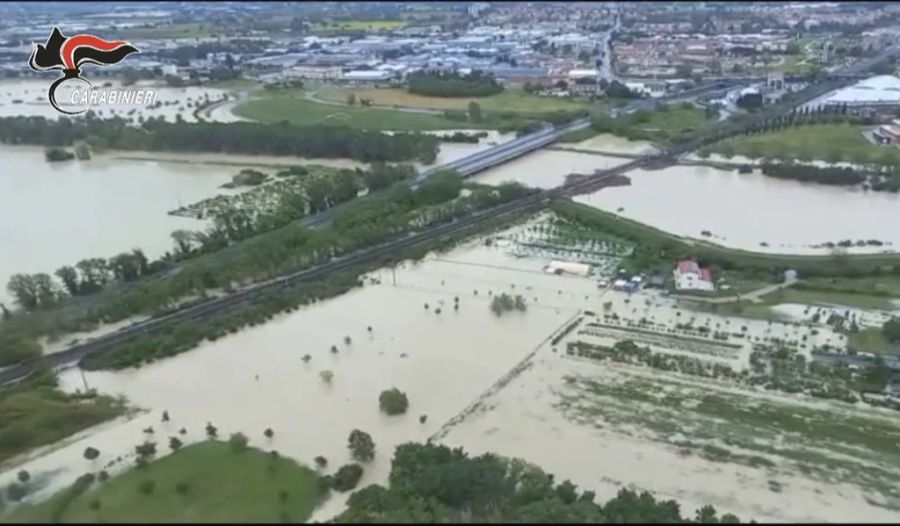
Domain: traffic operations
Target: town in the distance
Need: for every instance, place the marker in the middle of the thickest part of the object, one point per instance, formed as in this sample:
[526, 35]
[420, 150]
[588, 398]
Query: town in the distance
[446, 262]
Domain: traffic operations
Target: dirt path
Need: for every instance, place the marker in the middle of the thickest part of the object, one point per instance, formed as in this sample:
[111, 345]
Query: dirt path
[754, 296]
[313, 97]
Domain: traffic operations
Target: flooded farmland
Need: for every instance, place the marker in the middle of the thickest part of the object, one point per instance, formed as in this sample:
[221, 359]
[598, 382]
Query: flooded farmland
[29, 97]
[55, 214]
[448, 361]
[89, 198]
[754, 212]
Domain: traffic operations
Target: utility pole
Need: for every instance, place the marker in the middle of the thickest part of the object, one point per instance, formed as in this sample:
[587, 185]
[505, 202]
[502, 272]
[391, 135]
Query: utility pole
[83, 379]
[394, 276]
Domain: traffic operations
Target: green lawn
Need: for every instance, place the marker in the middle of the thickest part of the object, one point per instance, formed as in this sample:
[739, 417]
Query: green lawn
[223, 486]
[872, 285]
[299, 111]
[180, 30]
[512, 100]
[34, 413]
[374, 25]
[674, 118]
[236, 84]
[829, 142]
[827, 297]
[741, 309]
[662, 124]
[872, 340]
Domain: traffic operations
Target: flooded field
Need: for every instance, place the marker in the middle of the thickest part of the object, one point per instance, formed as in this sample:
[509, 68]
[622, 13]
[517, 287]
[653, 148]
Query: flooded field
[90, 198]
[449, 361]
[754, 212]
[31, 95]
[604, 426]
[54, 214]
[610, 143]
[442, 361]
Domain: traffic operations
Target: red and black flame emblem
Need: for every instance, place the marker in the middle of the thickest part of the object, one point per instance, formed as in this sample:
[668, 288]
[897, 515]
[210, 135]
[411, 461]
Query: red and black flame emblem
[68, 54]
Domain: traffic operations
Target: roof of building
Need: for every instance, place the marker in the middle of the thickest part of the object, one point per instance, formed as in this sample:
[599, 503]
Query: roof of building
[583, 73]
[881, 88]
[367, 75]
[688, 265]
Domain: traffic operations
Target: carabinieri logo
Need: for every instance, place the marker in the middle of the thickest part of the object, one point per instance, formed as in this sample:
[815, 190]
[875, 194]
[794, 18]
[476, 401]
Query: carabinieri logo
[68, 54]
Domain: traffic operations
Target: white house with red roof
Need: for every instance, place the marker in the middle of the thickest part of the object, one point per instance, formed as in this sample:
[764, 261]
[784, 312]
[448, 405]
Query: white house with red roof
[691, 276]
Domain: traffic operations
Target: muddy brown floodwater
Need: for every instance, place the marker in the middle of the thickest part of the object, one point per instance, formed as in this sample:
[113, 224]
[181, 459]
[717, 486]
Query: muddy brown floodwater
[445, 362]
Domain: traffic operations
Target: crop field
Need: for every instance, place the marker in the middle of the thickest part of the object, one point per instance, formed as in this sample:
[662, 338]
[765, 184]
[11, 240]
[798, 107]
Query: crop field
[512, 100]
[303, 112]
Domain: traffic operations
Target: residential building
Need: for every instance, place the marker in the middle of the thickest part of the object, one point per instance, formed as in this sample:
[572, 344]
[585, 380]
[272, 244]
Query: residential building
[888, 133]
[689, 275]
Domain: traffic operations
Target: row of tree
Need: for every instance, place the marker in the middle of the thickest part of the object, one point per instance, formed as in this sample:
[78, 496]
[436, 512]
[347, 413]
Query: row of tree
[361, 223]
[453, 84]
[89, 276]
[239, 137]
[831, 175]
[435, 484]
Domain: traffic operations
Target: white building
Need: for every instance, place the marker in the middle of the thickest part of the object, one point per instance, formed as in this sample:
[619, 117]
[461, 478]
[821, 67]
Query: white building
[568, 267]
[881, 90]
[317, 72]
[367, 76]
[690, 276]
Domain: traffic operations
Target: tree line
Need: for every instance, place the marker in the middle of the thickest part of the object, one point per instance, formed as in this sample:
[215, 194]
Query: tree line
[216, 265]
[238, 137]
[453, 84]
[364, 223]
[435, 484]
[831, 175]
[91, 275]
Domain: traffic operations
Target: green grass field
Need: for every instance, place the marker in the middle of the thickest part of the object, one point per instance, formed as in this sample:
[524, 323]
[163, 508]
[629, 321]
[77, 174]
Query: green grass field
[223, 486]
[828, 142]
[872, 340]
[871, 285]
[827, 297]
[34, 413]
[180, 30]
[676, 118]
[299, 111]
[512, 100]
[373, 25]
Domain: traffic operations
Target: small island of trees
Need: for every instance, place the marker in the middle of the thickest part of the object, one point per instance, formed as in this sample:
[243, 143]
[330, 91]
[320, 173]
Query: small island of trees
[393, 401]
[505, 303]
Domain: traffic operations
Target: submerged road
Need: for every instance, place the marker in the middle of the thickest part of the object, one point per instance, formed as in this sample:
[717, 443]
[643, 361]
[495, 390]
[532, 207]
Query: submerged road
[467, 166]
